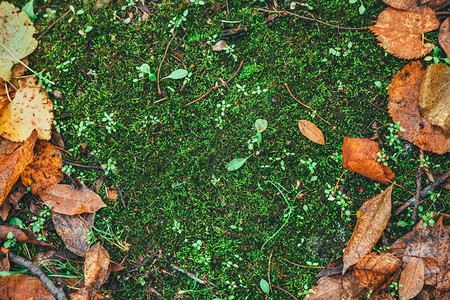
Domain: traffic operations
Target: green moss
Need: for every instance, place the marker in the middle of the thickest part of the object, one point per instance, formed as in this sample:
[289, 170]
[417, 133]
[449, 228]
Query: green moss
[165, 168]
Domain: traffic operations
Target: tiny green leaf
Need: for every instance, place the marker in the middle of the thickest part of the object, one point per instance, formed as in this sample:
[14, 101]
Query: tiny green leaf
[152, 77]
[258, 137]
[28, 9]
[177, 74]
[362, 9]
[352, 1]
[236, 163]
[264, 286]
[261, 125]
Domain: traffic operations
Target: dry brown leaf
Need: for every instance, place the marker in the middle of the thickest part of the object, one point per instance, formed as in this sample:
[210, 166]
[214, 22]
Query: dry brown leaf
[332, 268]
[402, 4]
[21, 235]
[4, 263]
[437, 4]
[311, 131]
[64, 199]
[74, 231]
[403, 107]
[96, 268]
[31, 109]
[220, 46]
[373, 217]
[372, 270]
[360, 155]
[16, 37]
[444, 36]
[45, 170]
[401, 32]
[7, 147]
[23, 287]
[412, 278]
[12, 165]
[434, 97]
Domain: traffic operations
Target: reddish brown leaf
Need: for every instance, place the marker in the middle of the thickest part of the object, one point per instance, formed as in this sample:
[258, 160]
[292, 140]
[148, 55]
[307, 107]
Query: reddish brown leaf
[412, 278]
[311, 131]
[443, 279]
[115, 267]
[45, 170]
[360, 155]
[4, 210]
[334, 267]
[434, 97]
[21, 235]
[373, 217]
[372, 270]
[401, 32]
[23, 287]
[4, 263]
[403, 106]
[401, 4]
[96, 268]
[7, 147]
[444, 36]
[437, 4]
[74, 231]
[64, 199]
[12, 165]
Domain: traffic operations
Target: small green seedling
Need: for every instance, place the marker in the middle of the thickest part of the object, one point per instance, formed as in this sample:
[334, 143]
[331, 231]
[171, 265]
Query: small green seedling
[144, 69]
[177, 74]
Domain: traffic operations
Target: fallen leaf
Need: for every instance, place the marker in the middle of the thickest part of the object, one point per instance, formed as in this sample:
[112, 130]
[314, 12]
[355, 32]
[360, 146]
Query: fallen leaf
[74, 231]
[401, 4]
[31, 109]
[444, 36]
[4, 263]
[437, 4]
[7, 147]
[401, 32]
[22, 287]
[373, 217]
[434, 97]
[64, 199]
[334, 267]
[16, 37]
[261, 125]
[374, 269]
[236, 163]
[403, 107]
[5, 95]
[360, 156]
[311, 131]
[12, 165]
[21, 235]
[4, 210]
[220, 46]
[45, 170]
[412, 278]
[96, 268]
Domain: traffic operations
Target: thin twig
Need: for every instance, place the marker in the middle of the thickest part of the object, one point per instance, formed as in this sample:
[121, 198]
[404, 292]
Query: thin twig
[184, 66]
[83, 166]
[121, 196]
[285, 12]
[283, 290]
[190, 275]
[424, 192]
[36, 271]
[160, 100]
[417, 198]
[309, 267]
[215, 87]
[160, 64]
[182, 39]
[340, 177]
[400, 186]
[231, 22]
[309, 107]
[268, 269]
[53, 24]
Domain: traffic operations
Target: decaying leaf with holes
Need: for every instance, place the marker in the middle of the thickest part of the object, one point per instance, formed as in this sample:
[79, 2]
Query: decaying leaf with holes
[403, 92]
[360, 156]
[12, 165]
[444, 36]
[30, 109]
[434, 97]
[45, 170]
[16, 37]
[373, 217]
[65, 199]
[401, 32]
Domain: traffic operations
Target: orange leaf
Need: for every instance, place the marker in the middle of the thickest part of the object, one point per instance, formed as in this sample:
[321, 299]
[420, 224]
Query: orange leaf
[403, 107]
[23, 287]
[401, 4]
[21, 235]
[444, 36]
[360, 156]
[401, 32]
[373, 217]
[372, 270]
[74, 231]
[64, 199]
[96, 268]
[311, 131]
[412, 278]
[44, 170]
[12, 165]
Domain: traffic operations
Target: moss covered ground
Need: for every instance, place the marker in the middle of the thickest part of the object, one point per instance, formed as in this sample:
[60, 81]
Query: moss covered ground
[170, 160]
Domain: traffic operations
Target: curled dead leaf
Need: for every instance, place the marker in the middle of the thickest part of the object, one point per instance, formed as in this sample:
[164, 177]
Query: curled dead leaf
[311, 131]
[372, 220]
[401, 32]
[403, 107]
[360, 156]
